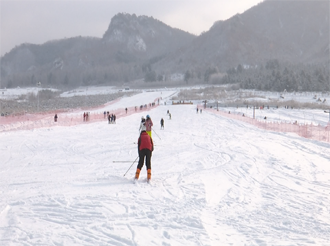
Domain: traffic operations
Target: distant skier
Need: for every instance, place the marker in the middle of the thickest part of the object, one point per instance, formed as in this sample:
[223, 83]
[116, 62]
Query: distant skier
[55, 118]
[162, 123]
[145, 148]
[149, 124]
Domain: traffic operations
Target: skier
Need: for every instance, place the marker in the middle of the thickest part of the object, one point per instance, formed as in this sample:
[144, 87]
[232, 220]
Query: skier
[142, 124]
[145, 148]
[55, 118]
[162, 123]
[148, 124]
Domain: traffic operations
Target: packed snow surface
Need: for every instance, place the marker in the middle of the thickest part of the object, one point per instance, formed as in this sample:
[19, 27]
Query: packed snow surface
[215, 181]
[93, 90]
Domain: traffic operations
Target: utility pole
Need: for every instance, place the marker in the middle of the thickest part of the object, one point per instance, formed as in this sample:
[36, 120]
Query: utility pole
[38, 84]
[326, 113]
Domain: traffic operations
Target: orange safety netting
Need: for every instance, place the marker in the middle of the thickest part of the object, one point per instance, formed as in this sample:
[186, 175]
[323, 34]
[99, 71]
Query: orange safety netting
[315, 132]
[65, 118]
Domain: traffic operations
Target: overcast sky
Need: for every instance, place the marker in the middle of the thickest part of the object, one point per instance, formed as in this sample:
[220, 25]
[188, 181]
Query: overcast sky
[38, 21]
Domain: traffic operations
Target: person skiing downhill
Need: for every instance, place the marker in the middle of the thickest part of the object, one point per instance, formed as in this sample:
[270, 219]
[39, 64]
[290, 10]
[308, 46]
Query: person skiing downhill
[142, 124]
[162, 123]
[148, 124]
[145, 148]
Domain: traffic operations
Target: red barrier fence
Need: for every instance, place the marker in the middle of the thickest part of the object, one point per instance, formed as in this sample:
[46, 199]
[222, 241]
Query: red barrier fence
[315, 132]
[65, 118]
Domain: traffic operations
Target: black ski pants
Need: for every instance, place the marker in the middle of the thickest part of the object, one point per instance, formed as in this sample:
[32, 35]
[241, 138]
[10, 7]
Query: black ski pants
[145, 153]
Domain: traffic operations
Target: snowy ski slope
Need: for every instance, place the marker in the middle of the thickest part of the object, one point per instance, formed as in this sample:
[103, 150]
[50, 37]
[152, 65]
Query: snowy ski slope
[215, 181]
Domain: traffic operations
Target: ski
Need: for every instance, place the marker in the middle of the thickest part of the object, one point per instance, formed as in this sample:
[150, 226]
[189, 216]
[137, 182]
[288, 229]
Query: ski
[136, 181]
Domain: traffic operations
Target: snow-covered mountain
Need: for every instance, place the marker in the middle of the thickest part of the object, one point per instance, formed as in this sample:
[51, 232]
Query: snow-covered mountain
[290, 31]
[144, 34]
[127, 50]
[133, 46]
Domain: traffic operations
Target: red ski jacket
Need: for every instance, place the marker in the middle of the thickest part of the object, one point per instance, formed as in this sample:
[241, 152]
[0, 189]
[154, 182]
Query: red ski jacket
[145, 142]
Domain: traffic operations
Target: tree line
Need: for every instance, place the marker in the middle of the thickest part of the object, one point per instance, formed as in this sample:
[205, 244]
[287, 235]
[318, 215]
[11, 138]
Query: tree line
[273, 76]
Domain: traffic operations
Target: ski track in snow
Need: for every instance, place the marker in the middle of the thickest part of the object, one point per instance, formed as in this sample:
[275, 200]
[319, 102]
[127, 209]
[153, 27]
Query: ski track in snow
[215, 181]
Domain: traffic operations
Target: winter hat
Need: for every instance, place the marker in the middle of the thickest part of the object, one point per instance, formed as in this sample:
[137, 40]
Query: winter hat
[148, 117]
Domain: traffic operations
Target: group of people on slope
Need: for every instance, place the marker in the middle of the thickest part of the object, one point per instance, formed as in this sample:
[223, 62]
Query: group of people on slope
[146, 145]
[111, 118]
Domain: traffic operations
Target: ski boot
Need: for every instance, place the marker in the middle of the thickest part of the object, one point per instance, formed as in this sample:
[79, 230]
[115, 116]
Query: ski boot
[137, 174]
[148, 175]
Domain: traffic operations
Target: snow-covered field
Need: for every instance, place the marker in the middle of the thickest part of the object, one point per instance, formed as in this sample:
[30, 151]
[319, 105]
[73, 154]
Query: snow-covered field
[15, 93]
[215, 181]
[301, 116]
[302, 97]
[93, 90]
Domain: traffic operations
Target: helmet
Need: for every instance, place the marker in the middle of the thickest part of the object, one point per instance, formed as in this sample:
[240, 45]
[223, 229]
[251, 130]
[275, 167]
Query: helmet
[142, 117]
[148, 117]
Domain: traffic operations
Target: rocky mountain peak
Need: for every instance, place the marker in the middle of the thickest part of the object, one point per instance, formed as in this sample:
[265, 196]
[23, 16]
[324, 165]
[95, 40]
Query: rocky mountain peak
[129, 41]
[131, 30]
[143, 34]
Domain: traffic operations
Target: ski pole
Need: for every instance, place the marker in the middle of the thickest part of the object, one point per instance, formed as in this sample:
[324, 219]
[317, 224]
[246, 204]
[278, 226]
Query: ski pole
[156, 134]
[121, 161]
[131, 166]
